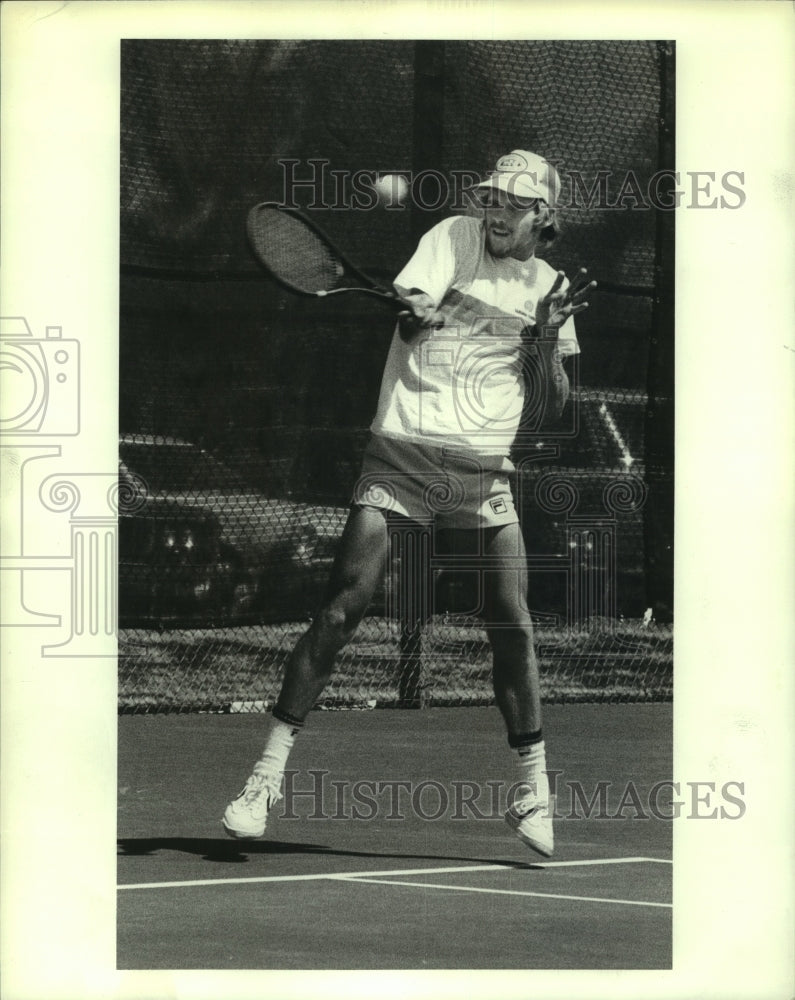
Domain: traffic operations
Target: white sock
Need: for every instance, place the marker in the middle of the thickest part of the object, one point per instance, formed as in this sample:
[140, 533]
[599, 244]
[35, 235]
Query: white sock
[532, 771]
[277, 748]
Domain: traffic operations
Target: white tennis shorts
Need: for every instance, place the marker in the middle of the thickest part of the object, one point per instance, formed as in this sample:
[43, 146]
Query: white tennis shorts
[424, 482]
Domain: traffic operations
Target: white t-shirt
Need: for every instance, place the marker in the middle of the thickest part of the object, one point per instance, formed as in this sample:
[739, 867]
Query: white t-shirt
[463, 385]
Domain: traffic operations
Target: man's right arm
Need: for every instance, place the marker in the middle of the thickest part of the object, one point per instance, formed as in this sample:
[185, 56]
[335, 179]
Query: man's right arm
[422, 313]
[428, 275]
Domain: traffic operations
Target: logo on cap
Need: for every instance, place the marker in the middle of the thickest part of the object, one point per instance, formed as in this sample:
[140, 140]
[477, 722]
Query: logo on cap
[513, 161]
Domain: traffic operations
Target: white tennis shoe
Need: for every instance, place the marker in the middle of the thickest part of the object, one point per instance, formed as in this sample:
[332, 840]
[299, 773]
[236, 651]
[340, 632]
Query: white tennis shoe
[531, 819]
[247, 815]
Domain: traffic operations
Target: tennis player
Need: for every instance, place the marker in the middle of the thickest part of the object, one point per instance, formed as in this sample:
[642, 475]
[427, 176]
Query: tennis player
[483, 308]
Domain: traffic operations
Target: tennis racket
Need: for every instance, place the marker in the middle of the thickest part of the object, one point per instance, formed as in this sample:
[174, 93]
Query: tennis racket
[300, 256]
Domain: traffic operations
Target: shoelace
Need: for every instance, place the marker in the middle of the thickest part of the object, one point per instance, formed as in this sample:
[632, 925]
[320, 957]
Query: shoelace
[528, 796]
[529, 804]
[259, 782]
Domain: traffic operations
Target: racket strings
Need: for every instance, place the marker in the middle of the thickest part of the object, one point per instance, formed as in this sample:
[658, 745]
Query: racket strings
[293, 251]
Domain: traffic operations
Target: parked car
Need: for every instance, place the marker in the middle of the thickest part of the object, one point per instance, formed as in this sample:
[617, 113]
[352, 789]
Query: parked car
[173, 565]
[261, 558]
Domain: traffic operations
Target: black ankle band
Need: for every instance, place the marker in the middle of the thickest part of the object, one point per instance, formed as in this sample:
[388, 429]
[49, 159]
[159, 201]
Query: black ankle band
[286, 718]
[521, 740]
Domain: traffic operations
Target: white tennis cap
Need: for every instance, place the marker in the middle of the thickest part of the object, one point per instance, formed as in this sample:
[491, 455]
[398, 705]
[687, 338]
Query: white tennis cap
[525, 175]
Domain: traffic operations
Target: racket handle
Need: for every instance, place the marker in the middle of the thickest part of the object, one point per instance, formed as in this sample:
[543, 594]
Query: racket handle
[391, 297]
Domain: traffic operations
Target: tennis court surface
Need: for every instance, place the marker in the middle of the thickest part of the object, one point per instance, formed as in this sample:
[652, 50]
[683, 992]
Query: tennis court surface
[419, 872]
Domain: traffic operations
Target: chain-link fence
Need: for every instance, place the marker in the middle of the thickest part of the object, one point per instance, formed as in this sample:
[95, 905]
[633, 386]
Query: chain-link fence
[244, 409]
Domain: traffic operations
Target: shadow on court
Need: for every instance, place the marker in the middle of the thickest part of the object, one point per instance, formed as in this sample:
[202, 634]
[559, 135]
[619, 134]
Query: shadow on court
[230, 852]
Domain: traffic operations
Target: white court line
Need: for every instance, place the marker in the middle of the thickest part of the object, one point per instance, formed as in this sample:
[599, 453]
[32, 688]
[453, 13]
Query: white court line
[507, 892]
[347, 876]
[598, 861]
[304, 878]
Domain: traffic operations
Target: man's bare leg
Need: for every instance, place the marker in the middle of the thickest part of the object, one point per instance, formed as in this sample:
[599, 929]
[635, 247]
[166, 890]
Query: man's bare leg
[357, 569]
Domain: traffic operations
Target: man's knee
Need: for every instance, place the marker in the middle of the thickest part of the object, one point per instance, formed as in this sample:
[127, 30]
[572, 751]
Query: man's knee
[513, 636]
[337, 623]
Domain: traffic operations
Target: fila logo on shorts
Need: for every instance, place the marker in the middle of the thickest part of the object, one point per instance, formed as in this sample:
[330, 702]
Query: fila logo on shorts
[498, 505]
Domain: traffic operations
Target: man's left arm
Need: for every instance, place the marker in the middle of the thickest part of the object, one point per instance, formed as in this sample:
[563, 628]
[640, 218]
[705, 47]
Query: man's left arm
[555, 378]
[552, 311]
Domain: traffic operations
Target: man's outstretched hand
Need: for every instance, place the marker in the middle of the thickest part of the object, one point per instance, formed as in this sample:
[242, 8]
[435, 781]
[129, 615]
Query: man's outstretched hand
[559, 304]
